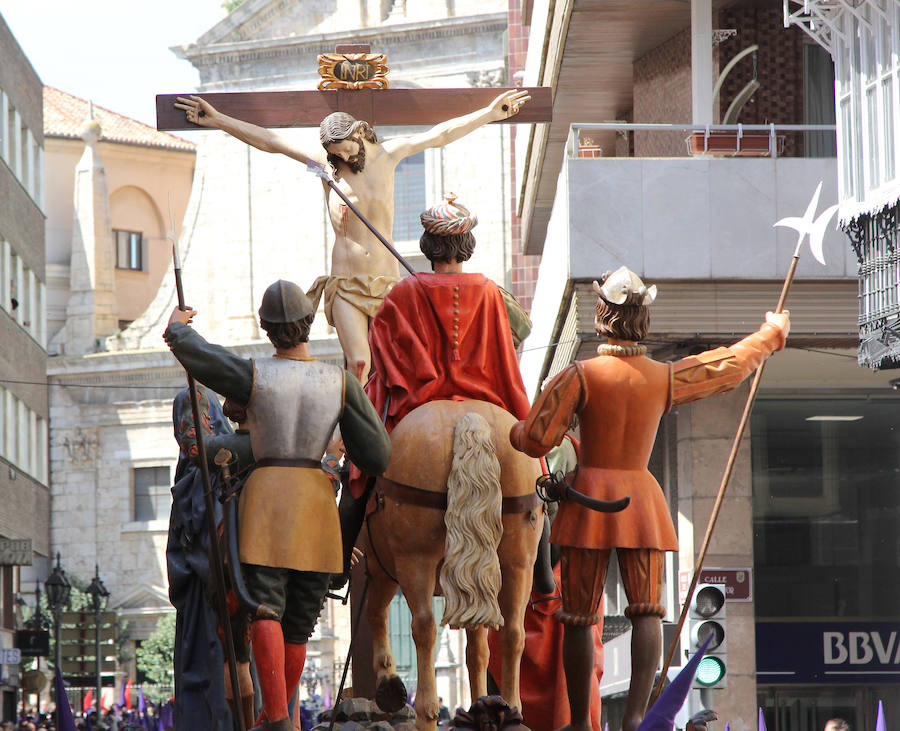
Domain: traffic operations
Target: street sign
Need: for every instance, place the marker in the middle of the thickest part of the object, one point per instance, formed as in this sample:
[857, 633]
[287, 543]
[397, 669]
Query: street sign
[831, 651]
[738, 582]
[33, 642]
[16, 552]
[10, 656]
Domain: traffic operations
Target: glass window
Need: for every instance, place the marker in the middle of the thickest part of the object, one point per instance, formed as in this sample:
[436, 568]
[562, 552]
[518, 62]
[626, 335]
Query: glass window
[409, 198]
[152, 496]
[826, 507]
[872, 135]
[889, 151]
[128, 249]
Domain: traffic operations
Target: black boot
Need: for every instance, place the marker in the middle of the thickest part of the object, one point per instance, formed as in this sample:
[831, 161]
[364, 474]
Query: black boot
[543, 582]
[352, 512]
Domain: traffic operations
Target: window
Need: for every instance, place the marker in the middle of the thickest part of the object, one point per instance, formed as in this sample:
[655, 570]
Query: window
[409, 197]
[128, 249]
[826, 507]
[152, 496]
[818, 100]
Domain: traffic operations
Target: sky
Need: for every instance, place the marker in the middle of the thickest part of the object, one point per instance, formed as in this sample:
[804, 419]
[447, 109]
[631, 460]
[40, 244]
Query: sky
[114, 52]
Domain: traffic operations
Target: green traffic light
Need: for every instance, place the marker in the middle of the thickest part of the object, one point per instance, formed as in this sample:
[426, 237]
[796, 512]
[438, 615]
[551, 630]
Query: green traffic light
[710, 671]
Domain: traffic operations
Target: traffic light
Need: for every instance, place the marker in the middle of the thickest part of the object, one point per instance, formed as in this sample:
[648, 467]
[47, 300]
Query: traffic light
[707, 620]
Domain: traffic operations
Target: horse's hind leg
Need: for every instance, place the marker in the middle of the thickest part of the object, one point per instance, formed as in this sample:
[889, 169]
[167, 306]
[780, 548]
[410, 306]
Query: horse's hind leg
[477, 656]
[417, 578]
[390, 693]
[517, 552]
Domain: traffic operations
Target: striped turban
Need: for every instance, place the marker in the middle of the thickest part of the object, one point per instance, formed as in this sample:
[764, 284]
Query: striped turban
[448, 218]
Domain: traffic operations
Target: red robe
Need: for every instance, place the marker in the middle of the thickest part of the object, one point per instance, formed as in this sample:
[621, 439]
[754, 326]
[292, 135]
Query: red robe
[442, 337]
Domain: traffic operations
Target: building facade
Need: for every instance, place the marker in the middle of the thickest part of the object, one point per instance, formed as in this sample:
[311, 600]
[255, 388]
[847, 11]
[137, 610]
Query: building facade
[24, 406]
[690, 208]
[862, 38]
[251, 218]
[112, 184]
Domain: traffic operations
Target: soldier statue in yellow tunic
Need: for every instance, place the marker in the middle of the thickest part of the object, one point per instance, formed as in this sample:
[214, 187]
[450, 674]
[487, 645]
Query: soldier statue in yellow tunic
[290, 537]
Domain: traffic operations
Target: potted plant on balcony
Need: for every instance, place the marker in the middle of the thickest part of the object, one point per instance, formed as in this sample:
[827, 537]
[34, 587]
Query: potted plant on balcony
[588, 147]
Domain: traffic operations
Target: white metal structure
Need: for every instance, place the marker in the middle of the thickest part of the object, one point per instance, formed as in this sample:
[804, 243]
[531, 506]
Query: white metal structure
[862, 38]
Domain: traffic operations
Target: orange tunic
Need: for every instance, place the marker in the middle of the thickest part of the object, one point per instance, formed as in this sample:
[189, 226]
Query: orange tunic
[619, 402]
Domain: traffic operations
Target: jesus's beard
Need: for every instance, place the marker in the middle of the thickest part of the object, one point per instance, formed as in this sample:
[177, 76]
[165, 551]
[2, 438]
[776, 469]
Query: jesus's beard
[356, 163]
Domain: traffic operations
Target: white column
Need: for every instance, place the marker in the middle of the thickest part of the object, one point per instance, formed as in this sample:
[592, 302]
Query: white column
[41, 314]
[701, 61]
[22, 436]
[39, 172]
[28, 163]
[5, 274]
[44, 451]
[4, 127]
[19, 274]
[32, 313]
[15, 143]
[4, 422]
[9, 416]
[32, 446]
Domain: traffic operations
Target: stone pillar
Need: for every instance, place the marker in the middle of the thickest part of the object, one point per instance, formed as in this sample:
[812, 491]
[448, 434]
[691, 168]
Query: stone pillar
[705, 432]
[91, 313]
[701, 62]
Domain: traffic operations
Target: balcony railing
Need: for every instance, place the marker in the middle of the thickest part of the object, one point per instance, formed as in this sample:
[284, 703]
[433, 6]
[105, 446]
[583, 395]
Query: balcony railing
[712, 140]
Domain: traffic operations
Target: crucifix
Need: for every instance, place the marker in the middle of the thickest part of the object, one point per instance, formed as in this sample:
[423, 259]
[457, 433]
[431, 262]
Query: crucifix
[350, 101]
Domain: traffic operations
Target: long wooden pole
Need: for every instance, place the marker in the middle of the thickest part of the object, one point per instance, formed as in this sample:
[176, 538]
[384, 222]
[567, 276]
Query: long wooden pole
[723, 486]
[319, 171]
[215, 559]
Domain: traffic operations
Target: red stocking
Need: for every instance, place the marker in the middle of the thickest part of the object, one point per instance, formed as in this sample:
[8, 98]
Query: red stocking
[294, 659]
[268, 651]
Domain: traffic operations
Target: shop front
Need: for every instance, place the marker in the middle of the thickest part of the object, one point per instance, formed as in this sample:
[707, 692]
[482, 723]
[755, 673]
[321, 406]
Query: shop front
[826, 496]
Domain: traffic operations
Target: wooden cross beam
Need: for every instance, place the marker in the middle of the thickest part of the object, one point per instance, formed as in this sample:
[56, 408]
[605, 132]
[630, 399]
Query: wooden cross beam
[375, 106]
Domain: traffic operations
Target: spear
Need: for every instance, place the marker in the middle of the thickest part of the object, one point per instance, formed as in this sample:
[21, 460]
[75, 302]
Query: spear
[217, 571]
[803, 225]
[320, 172]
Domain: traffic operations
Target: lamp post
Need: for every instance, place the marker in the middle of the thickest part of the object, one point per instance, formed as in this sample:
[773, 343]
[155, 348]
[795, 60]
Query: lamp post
[37, 622]
[58, 589]
[99, 595]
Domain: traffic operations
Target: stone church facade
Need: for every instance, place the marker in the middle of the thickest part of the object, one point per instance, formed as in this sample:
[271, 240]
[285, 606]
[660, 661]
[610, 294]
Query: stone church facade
[252, 218]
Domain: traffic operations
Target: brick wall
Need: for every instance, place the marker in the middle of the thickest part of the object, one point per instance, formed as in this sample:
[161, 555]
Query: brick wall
[662, 94]
[780, 67]
[662, 79]
[524, 268]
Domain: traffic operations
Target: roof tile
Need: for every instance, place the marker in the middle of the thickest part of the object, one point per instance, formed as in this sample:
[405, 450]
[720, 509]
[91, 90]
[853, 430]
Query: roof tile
[65, 115]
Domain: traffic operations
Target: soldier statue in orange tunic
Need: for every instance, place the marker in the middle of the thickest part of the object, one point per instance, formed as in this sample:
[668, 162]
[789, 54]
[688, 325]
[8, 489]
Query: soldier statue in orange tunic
[619, 398]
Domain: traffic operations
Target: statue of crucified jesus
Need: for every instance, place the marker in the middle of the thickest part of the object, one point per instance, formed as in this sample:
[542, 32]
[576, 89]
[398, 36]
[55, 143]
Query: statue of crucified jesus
[362, 269]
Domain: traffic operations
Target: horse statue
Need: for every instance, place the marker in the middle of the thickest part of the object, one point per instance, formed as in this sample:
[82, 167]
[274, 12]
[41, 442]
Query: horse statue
[469, 530]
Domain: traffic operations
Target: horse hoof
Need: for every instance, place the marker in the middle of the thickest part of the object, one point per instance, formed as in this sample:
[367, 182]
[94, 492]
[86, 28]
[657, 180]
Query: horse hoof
[390, 696]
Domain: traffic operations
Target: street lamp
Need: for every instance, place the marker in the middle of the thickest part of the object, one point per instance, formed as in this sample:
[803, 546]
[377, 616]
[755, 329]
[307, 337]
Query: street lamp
[99, 595]
[58, 589]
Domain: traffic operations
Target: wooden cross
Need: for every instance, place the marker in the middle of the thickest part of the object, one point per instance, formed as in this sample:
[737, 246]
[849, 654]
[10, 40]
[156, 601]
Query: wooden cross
[375, 106]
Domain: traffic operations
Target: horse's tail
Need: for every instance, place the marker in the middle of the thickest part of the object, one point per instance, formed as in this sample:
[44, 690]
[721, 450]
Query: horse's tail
[470, 576]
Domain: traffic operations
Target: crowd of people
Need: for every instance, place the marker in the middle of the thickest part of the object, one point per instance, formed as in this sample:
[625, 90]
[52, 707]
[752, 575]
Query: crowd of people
[117, 718]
